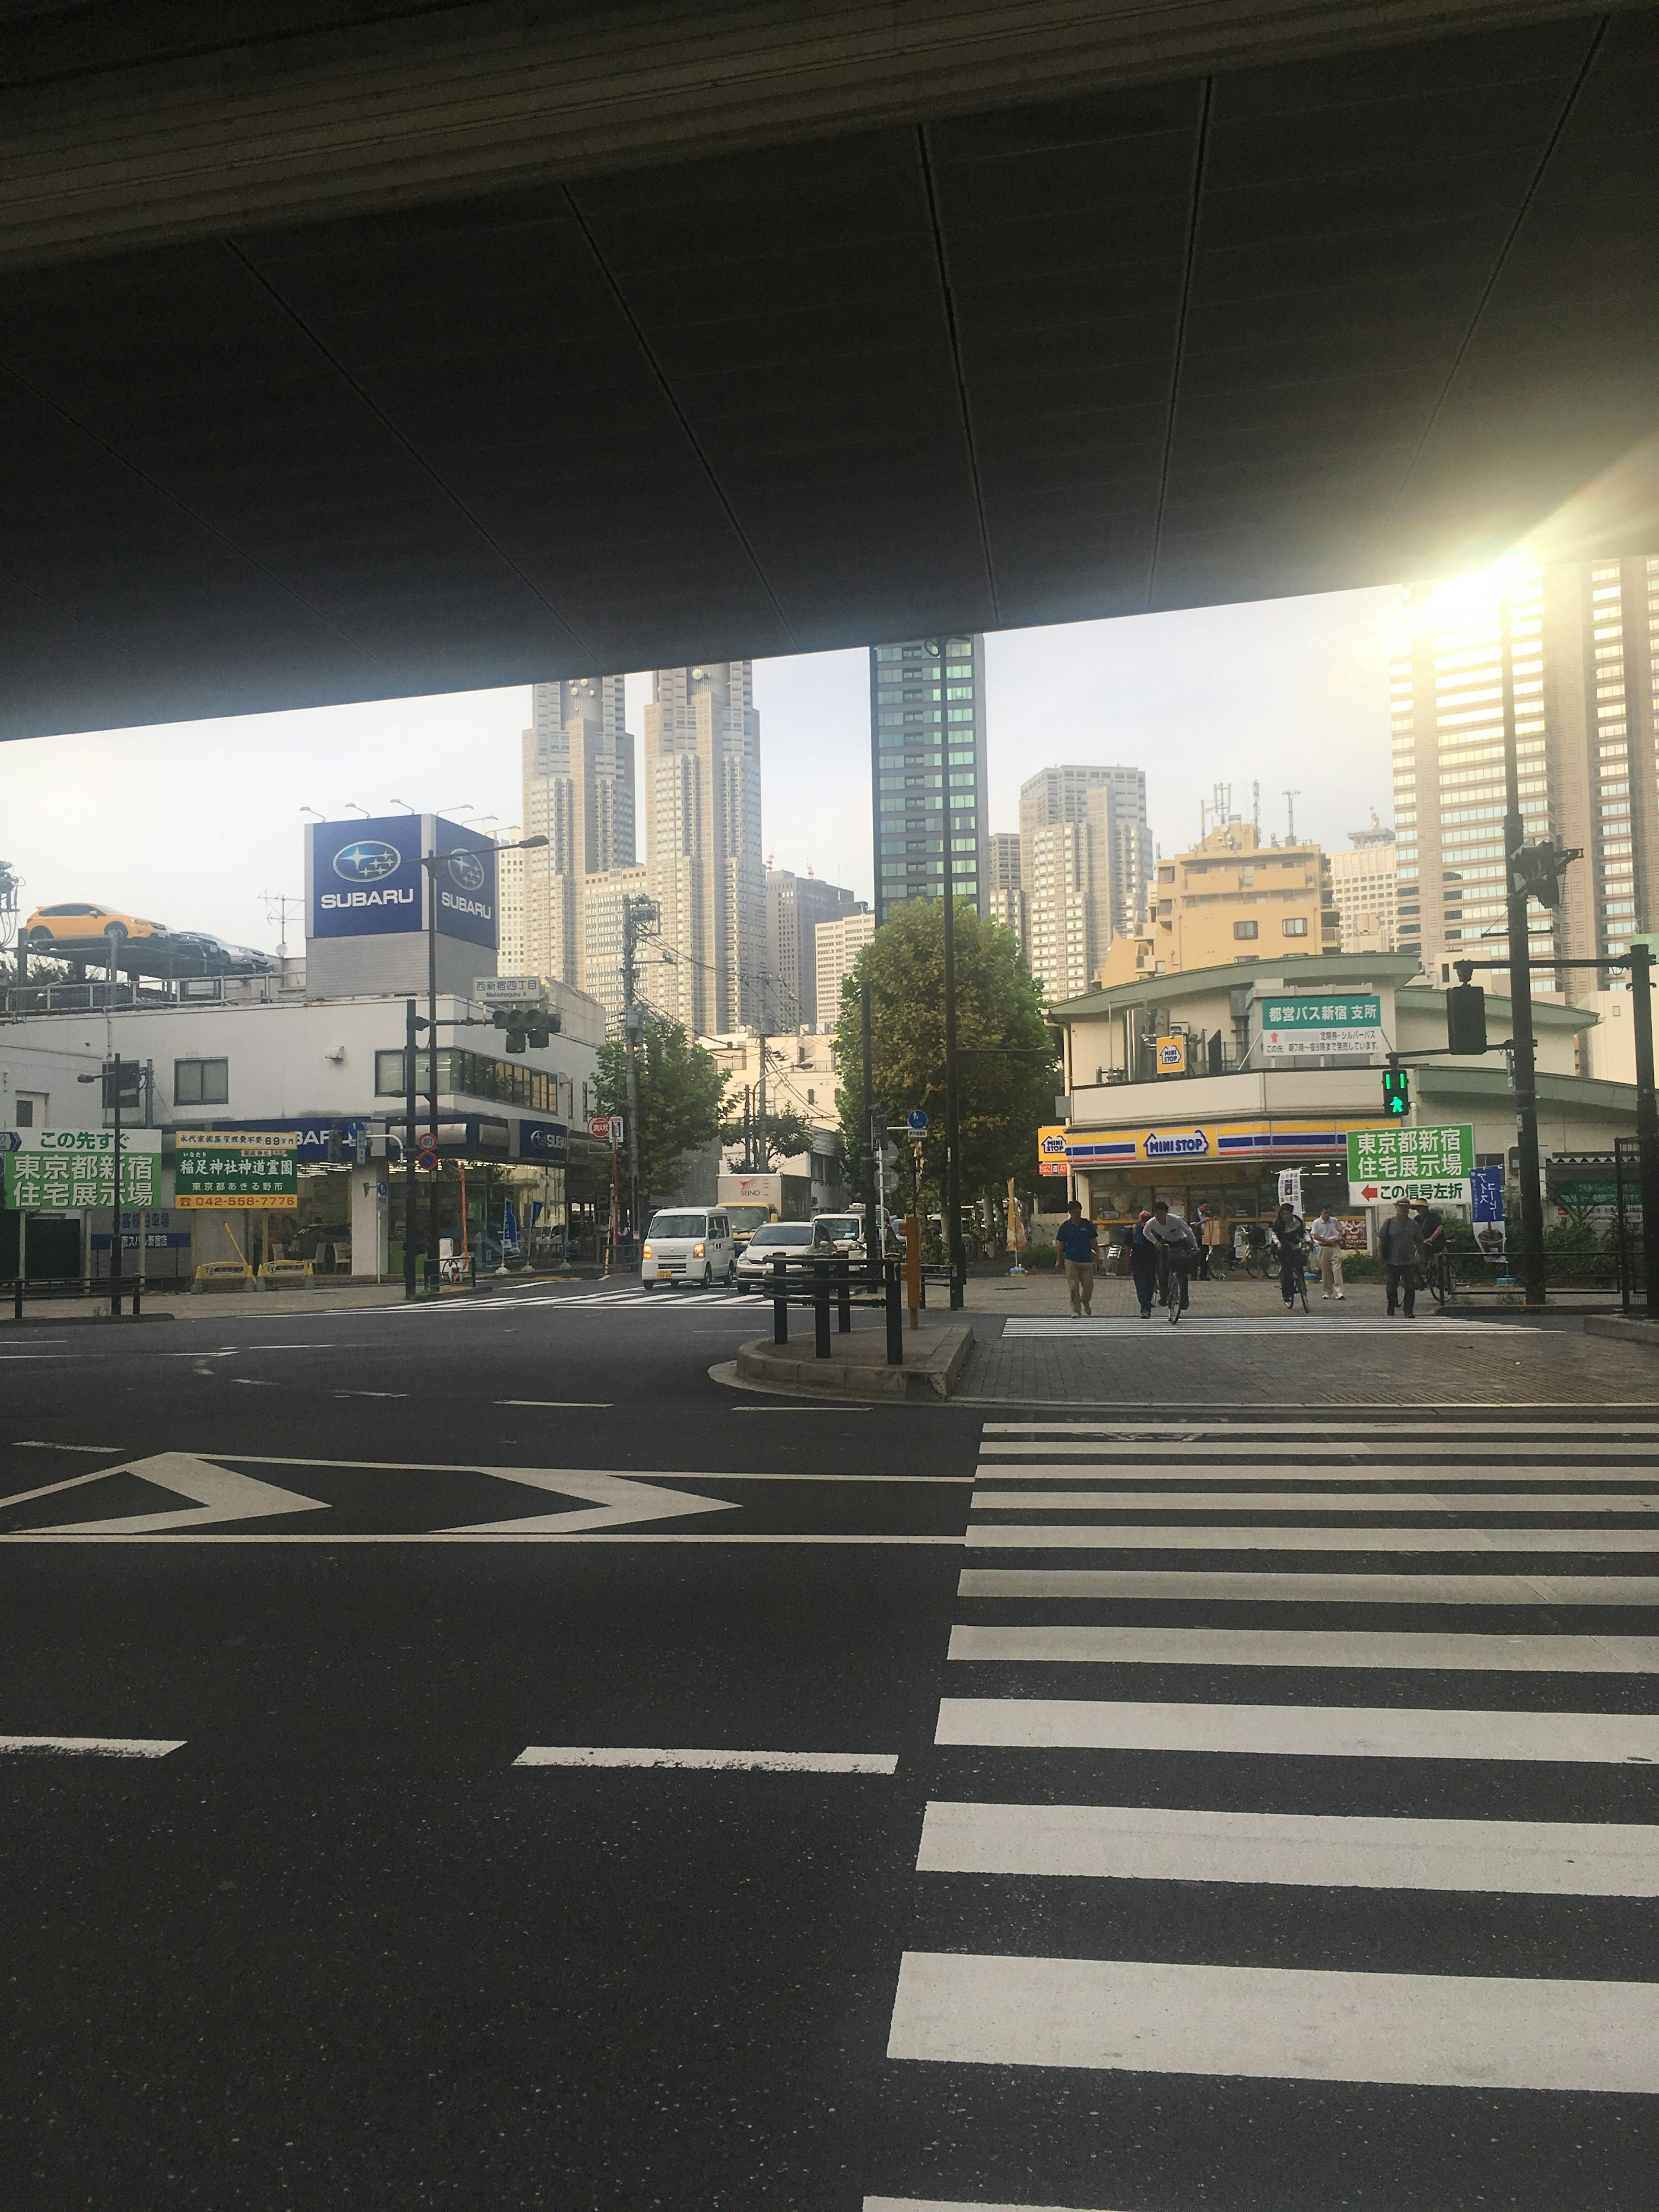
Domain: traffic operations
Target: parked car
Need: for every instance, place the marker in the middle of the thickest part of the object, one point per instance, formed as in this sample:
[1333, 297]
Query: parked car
[794, 1239]
[689, 1244]
[78, 923]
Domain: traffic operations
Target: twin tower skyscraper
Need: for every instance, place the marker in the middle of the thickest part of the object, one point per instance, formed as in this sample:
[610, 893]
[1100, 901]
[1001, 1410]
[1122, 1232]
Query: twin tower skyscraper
[699, 778]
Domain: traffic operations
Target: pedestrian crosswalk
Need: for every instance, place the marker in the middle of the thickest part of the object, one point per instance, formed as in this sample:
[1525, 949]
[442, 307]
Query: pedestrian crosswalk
[1133, 1761]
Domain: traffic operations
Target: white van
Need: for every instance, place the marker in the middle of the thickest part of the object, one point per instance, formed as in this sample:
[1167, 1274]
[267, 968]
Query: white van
[688, 1245]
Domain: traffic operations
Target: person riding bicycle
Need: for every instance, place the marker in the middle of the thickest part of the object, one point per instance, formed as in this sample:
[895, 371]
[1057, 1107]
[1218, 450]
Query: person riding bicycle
[1177, 1252]
[1290, 1237]
[1436, 1266]
[1143, 1265]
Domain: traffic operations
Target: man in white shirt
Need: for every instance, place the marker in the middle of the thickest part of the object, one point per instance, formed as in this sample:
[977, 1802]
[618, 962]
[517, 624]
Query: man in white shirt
[1327, 1236]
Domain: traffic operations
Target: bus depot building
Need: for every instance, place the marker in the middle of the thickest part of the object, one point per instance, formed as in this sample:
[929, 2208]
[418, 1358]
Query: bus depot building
[316, 1051]
[1200, 1087]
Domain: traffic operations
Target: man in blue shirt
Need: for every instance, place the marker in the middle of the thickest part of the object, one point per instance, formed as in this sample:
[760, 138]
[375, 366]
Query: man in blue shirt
[1077, 1245]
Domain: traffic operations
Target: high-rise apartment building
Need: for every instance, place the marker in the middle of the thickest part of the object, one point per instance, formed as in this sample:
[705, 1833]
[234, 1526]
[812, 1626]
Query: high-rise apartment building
[837, 945]
[1363, 885]
[927, 769]
[795, 906]
[601, 922]
[578, 794]
[1583, 646]
[1007, 896]
[1085, 855]
[703, 803]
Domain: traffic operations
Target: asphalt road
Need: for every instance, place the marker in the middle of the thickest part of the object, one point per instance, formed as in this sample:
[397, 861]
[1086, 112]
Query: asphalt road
[341, 1947]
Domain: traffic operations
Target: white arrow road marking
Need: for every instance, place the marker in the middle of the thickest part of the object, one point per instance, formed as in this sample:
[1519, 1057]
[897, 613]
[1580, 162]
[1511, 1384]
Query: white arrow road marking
[218, 1494]
[616, 1500]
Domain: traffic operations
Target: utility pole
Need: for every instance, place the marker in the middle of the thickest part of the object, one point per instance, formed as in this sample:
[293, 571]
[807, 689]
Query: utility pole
[1520, 949]
[411, 1215]
[872, 1253]
[952, 1111]
[641, 917]
[762, 1153]
[1647, 1116]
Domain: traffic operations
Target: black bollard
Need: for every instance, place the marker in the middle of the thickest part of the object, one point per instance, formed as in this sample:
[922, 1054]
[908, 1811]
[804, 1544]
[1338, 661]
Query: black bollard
[844, 1295]
[780, 1300]
[821, 1309]
[894, 1317]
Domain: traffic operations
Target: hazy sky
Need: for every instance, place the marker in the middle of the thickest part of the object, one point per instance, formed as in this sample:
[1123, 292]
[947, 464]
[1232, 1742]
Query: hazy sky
[191, 825]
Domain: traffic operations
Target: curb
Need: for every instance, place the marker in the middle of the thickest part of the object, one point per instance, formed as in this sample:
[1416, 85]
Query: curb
[931, 1374]
[1626, 1332]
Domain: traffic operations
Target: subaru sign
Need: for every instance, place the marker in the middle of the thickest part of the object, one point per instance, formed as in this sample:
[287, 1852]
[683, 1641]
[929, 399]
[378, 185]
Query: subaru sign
[547, 1143]
[364, 878]
[465, 885]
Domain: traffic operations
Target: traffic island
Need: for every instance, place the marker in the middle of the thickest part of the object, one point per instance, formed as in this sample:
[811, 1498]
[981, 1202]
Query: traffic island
[1626, 1327]
[934, 1356]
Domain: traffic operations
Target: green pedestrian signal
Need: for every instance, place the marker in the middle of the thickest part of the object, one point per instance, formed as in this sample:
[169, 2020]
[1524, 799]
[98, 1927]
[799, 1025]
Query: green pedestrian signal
[1396, 1093]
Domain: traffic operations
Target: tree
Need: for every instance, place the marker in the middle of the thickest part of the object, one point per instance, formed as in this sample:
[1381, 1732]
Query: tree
[787, 1134]
[1007, 1058]
[681, 1094]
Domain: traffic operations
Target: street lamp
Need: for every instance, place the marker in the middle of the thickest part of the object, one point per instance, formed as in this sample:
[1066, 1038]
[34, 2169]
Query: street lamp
[431, 863]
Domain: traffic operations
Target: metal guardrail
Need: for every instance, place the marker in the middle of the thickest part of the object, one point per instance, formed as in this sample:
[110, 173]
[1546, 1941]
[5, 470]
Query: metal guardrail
[114, 1288]
[816, 1282]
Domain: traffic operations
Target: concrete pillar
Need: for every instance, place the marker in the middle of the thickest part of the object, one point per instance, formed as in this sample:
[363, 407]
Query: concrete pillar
[369, 1253]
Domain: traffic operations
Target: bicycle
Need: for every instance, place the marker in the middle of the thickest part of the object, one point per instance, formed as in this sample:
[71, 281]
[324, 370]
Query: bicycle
[1172, 1292]
[1298, 1279]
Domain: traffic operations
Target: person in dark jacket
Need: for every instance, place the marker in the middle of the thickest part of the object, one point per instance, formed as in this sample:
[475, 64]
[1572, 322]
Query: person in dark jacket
[1143, 1266]
[1400, 1242]
[1290, 1235]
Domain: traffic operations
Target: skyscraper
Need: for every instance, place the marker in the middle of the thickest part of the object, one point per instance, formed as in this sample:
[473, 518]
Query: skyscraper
[1008, 894]
[1085, 857]
[927, 769]
[578, 794]
[702, 802]
[795, 907]
[1363, 889]
[1584, 695]
[838, 945]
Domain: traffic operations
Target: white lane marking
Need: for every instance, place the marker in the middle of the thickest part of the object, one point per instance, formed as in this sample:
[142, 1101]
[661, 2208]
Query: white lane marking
[1312, 1647]
[1428, 1431]
[220, 1495]
[96, 1747]
[359, 1394]
[1299, 1731]
[1125, 1843]
[1144, 1536]
[762, 1762]
[253, 1382]
[1222, 1586]
[597, 1405]
[38, 1443]
[828, 1407]
[508, 1533]
[1315, 1501]
[1093, 1327]
[51, 1489]
[613, 1501]
[1454, 2031]
[1364, 1462]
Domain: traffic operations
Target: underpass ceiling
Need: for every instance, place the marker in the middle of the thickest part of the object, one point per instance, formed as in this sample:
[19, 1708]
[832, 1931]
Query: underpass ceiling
[1329, 322]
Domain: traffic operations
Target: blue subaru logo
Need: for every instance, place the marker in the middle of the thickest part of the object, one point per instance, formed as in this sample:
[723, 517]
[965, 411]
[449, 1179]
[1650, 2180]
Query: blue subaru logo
[467, 871]
[367, 861]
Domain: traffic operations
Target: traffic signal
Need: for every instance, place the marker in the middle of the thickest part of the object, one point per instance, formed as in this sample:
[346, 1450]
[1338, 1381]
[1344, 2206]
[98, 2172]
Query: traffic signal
[1396, 1093]
[1465, 1019]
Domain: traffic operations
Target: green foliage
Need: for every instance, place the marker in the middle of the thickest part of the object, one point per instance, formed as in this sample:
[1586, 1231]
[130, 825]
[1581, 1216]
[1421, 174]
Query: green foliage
[786, 1134]
[1005, 1095]
[682, 1092]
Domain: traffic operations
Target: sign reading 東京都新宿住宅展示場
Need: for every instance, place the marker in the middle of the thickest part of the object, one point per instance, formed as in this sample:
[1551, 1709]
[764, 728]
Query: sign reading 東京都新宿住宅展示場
[258, 1173]
[64, 1171]
[1341, 1022]
[1434, 1164]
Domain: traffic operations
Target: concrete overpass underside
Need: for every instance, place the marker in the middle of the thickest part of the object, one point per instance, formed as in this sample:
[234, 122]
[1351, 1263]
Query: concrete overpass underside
[363, 350]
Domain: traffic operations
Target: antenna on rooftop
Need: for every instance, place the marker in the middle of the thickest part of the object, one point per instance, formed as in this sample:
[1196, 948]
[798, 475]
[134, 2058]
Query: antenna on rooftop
[1290, 798]
[1255, 809]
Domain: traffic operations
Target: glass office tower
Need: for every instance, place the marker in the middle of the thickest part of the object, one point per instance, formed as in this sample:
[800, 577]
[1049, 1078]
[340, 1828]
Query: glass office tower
[928, 770]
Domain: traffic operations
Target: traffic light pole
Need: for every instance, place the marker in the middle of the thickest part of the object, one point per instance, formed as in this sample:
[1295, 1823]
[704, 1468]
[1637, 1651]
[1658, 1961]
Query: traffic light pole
[871, 1242]
[1523, 1045]
[411, 1218]
[952, 1116]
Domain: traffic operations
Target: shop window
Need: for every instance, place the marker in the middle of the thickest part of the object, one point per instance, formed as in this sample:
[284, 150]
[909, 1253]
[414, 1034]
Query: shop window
[1241, 930]
[201, 1082]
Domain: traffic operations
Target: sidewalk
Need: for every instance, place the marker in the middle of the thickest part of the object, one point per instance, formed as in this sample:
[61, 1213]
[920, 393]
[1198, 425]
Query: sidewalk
[323, 1296]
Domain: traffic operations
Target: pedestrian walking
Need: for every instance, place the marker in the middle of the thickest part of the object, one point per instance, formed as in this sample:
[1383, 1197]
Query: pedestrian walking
[1077, 1248]
[1143, 1265]
[1326, 1234]
[1200, 1225]
[1401, 1242]
[1291, 1237]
